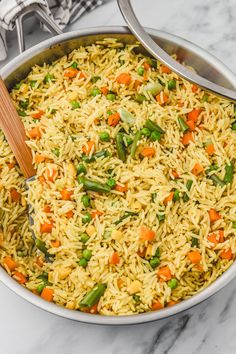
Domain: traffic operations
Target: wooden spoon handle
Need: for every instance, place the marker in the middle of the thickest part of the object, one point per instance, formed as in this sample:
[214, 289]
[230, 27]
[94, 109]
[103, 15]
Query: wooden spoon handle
[14, 131]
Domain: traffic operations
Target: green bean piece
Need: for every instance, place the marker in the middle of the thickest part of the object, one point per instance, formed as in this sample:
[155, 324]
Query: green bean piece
[104, 136]
[83, 262]
[109, 112]
[127, 140]
[233, 126]
[86, 200]
[188, 186]
[154, 262]
[111, 183]
[153, 197]
[152, 62]
[171, 84]
[74, 65]
[125, 216]
[140, 71]
[48, 78]
[111, 97]
[216, 180]
[136, 298]
[158, 253]
[140, 98]
[17, 86]
[87, 254]
[56, 152]
[75, 104]
[194, 242]
[153, 126]
[173, 283]
[40, 288]
[44, 278]
[93, 296]
[120, 147]
[229, 173]
[81, 169]
[183, 125]
[176, 196]
[121, 61]
[146, 132]
[234, 224]
[33, 83]
[21, 113]
[161, 217]
[205, 98]
[102, 153]
[84, 238]
[211, 168]
[86, 218]
[95, 91]
[94, 186]
[155, 136]
[42, 247]
[94, 79]
[134, 145]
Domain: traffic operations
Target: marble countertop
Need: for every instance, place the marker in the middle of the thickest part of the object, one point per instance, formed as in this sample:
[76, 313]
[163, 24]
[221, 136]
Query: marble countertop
[207, 328]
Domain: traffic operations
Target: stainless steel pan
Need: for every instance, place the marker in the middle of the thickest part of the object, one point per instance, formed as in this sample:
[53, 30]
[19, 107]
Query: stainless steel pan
[56, 47]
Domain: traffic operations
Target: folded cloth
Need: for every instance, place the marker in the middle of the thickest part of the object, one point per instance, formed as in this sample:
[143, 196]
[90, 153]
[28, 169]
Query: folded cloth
[63, 12]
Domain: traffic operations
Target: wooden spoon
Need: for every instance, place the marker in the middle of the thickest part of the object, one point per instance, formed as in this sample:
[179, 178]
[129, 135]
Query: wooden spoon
[14, 131]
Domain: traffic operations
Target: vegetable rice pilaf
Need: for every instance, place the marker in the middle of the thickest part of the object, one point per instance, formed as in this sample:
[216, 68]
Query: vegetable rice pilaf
[134, 200]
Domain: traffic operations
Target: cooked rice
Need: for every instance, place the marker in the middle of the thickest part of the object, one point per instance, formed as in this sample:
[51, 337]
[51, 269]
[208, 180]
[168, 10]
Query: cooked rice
[149, 180]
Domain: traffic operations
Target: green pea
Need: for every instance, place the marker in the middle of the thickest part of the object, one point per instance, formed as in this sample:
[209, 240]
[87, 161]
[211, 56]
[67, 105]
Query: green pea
[81, 169]
[86, 201]
[234, 224]
[233, 126]
[86, 218]
[111, 97]
[111, 182]
[155, 136]
[33, 83]
[48, 78]
[83, 262]
[95, 91]
[146, 132]
[75, 104]
[154, 262]
[109, 112]
[84, 238]
[127, 140]
[94, 79]
[171, 85]
[173, 283]
[56, 152]
[24, 104]
[140, 98]
[104, 136]
[74, 65]
[40, 288]
[21, 113]
[140, 71]
[87, 254]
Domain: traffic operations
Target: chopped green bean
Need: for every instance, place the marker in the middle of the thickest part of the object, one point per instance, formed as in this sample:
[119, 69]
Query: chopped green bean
[183, 125]
[120, 147]
[171, 84]
[161, 217]
[102, 153]
[134, 145]
[17, 86]
[176, 196]
[93, 296]
[40, 287]
[188, 186]
[216, 180]
[152, 62]
[74, 65]
[42, 247]
[33, 83]
[81, 169]
[229, 173]
[93, 185]
[205, 98]
[21, 113]
[125, 216]
[234, 224]
[140, 98]
[194, 242]
[94, 79]
[153, 126]
[233, 126]
[48, 78]
[56, 152]
[86, 200]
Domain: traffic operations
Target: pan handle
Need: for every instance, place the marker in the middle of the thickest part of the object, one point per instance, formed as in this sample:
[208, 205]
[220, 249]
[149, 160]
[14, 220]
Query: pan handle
[41, 15]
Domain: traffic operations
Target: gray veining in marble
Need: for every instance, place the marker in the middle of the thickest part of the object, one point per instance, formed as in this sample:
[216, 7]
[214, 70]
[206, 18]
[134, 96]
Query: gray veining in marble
[210, 327]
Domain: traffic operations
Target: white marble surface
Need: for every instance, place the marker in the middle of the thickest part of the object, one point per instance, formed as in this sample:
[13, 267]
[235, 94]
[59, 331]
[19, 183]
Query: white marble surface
[206, 329]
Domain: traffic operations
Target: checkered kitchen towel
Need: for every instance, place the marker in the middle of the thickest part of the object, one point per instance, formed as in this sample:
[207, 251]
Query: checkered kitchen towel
[63, 11]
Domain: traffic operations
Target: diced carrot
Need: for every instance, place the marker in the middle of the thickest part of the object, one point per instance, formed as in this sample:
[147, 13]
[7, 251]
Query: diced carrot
[39, 261]
[95, 213]
[69, 214]
[96, 121]
[197, 169]
[65, 194]
[180, 104]
[214, 238]
[165, 70]
[194, 257]
[115, 258]
[194, 114]
[11, 165]
[114, 119]
[19, 277]
[34, 133]
[94, 309]
[86, 149]
[46, 227]
[120, 188]
[47, 209]
[146, 234]
[137, 83]
[194, 88]
[70, 72]
[214, 215]
[39, 158]
[145, 76]
[51, 174]
[226, 254]
[169, 198]
[82, 75]
[15, 196]
[199, 267]
[56, 243]
[47, 294]
[210, 149]
[146, 65]
[124, 78]
[162, 98]
[104, 90]
[156, 306]
[120, 283]
[142, 253]
[41, 179]
[164, 273]
[187, 138]
[148, 152]
[10, 263]
[190, 124]
[38, 114]
[171, 303]
[175, 174]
